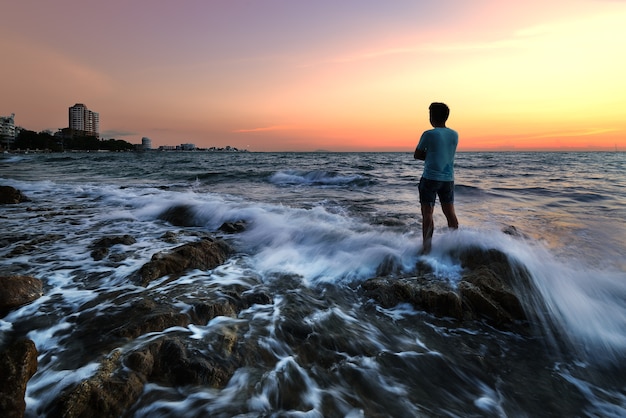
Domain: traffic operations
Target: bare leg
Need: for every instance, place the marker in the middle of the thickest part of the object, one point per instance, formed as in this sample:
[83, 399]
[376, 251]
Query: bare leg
[428, 226]
[448, 211]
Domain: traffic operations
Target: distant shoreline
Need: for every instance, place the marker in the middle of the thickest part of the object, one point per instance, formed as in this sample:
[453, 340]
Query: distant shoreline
[210, 151]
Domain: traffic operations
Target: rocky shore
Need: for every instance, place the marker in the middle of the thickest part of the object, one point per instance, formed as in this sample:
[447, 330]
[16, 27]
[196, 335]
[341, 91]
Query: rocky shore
[489, 291]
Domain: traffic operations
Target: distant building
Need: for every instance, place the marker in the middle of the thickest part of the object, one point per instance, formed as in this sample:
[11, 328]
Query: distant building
[7, 129]
[187, 147]
[146, 143]
[83, 121]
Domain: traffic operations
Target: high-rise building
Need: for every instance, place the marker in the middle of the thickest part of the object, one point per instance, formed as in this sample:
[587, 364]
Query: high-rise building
[83, 120]
[7, 130]
[7, 126]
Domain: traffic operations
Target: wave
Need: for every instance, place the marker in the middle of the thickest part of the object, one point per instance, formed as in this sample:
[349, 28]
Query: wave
[11, 159]
[318, 178]
[581, 305]
[571, 302]
[466, 190]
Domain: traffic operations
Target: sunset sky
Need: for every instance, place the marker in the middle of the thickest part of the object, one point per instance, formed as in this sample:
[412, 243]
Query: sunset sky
[342, 75]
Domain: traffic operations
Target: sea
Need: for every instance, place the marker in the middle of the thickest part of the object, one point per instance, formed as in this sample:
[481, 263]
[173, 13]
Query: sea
[318, 225]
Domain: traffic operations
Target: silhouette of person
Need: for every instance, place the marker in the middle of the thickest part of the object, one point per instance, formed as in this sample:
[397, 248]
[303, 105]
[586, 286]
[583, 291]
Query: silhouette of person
[436, 148]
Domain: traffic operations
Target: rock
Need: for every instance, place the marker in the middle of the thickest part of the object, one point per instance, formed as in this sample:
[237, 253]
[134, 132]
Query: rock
[16, 291]
[174, 365]
[33, 245]
[204, 255]
[179, 215]
[166, 360]
[437, 297]
[513, 231]
[101, 246]
[114, 240]
[488, 289]
[137, 316]
[493, 297]
[18, 363]
[97, 333]
[170, 237]
[120, 379]
[10, 195]
[108, 393]
[233, 227]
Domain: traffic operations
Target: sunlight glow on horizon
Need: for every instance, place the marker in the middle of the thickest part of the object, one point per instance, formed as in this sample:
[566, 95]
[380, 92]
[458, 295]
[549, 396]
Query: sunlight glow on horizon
[523, 76]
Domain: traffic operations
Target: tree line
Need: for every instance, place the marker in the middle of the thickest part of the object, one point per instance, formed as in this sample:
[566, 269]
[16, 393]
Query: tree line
[46, 141]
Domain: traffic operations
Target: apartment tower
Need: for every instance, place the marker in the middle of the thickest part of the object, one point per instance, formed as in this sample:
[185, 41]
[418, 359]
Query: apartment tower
[83, 121]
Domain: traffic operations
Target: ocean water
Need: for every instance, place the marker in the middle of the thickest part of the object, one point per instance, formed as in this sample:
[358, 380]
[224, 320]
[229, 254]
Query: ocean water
[318, 225]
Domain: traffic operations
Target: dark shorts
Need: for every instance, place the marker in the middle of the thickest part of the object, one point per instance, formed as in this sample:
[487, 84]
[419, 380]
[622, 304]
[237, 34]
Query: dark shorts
[430, 189]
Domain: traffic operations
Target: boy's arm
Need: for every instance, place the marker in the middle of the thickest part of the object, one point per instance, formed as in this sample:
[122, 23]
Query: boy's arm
[420, 149]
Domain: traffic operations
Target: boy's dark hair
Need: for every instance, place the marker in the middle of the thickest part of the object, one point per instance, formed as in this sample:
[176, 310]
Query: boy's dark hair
[439, 111]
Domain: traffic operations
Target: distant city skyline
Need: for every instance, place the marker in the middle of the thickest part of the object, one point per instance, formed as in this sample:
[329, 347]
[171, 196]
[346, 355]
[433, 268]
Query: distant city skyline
[355, 75]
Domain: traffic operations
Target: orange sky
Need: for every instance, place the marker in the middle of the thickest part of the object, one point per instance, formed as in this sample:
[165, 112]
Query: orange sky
[356, 75]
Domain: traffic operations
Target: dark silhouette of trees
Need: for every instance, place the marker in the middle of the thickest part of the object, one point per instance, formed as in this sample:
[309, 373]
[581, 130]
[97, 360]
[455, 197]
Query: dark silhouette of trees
[45, 141]
[33, 140]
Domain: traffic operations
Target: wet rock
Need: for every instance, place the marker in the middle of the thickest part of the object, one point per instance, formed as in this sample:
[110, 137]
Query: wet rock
[10, 195]
[513, 231]
[33, 244]
[18, 363]
[488, 289]
[108, 393]
[16, 291]
[487, 294]
[170, 362]
[114, 240]
[180, 215]
[170, 237]
[433, 296]
[233, 227]
[204, 255]
[203, 312]
[7, 240]
[167, 361]
[99, 333]
[101, 246]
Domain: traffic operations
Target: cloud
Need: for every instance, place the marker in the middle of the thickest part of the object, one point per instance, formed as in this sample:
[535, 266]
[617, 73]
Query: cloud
[569, 134]
[265, 129]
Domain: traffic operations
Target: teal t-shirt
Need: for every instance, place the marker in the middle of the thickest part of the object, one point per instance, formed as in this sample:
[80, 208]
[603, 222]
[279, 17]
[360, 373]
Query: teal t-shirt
[440, 146]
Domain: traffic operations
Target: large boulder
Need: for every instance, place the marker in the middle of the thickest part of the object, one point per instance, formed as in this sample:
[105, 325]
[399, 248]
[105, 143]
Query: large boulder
[203, 255]
[18, 363]
[16, 291]
[10, 195]
[488, 289]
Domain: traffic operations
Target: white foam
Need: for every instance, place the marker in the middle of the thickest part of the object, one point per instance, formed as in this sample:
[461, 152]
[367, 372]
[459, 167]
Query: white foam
[295, 177]
[47, 339]
[490, 401]
[322, 246]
